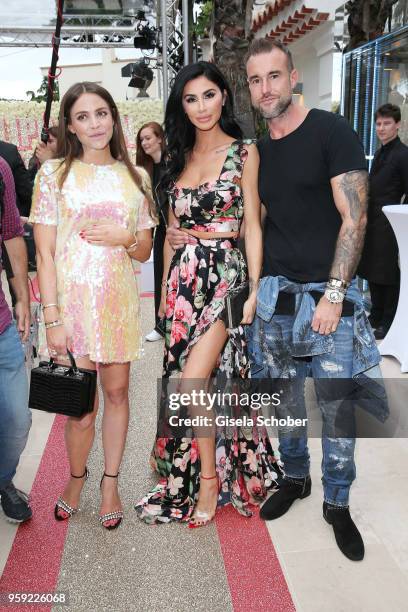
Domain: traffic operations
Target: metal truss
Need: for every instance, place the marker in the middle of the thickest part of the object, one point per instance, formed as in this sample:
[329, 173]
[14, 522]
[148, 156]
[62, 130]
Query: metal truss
[77, 31]
[174, 30]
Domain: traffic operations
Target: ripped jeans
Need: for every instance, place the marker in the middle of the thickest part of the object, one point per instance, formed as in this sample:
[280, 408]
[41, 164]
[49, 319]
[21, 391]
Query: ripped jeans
[269, 346]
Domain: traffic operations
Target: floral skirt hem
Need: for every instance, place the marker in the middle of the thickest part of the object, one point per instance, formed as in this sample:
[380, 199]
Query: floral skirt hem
[200, 279]
[246, 467]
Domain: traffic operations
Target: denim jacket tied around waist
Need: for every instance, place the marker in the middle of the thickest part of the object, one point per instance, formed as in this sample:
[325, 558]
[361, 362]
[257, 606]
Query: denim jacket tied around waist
[305, 341]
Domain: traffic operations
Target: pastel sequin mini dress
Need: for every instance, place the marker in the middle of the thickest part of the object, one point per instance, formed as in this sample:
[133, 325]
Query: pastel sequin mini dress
[96, 285]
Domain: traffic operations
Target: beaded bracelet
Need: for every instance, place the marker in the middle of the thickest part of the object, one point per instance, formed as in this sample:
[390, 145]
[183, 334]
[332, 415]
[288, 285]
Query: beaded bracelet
[49, 306]
[56, 323]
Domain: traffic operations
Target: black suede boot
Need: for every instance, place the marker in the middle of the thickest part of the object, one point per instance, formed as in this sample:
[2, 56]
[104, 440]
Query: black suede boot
[280, 502]
[347, 535]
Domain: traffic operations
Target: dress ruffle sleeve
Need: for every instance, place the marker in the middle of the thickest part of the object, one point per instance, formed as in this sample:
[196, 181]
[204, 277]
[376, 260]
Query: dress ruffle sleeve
[145, 219]
[44, 208]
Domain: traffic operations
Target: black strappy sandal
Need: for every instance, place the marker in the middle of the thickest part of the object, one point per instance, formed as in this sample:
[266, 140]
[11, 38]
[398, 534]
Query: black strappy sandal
[62, 504]
[110, 516]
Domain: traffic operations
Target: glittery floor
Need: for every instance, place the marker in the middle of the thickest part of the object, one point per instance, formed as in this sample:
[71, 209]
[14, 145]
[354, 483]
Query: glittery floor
[235, 564]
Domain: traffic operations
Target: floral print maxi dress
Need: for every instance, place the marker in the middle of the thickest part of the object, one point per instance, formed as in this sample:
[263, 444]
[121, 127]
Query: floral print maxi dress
[200, 277]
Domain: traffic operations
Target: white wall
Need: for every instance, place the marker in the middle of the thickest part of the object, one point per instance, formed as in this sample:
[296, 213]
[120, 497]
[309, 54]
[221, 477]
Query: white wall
[313, 56]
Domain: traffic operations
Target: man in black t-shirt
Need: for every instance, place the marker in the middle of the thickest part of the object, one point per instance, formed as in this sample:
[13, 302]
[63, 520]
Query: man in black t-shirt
[313, 184]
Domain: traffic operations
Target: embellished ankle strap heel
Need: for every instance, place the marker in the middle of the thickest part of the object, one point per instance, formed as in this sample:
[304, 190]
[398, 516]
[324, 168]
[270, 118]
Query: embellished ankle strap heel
[200, 518]
[111, 516]
[62, 504]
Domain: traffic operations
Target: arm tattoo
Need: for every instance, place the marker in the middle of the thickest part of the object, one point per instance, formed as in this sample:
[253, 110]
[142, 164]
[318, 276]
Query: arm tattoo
[354, 188]
[253, 284]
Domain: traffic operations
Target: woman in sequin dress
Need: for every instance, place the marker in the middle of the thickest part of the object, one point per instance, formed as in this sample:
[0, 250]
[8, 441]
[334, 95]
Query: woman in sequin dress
[212, 181]
[92, 215]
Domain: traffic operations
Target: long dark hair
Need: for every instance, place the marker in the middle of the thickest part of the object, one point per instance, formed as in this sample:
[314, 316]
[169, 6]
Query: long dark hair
[142, 158]
[180, 132]
[69, 146]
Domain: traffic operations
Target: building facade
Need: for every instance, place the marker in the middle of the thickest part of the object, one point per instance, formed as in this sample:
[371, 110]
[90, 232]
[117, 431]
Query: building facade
[310, 29]
[376, 73]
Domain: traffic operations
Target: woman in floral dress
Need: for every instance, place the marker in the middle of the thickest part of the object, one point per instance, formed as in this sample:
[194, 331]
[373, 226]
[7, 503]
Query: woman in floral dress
[93, 214]
[212, 179]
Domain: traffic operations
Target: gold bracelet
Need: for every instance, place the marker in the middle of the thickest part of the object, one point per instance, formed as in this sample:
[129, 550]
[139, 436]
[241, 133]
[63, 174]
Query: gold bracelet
[49, 306]
[56, 323]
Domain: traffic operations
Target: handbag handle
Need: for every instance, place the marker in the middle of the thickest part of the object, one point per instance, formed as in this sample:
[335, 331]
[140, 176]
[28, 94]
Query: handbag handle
[74, 366]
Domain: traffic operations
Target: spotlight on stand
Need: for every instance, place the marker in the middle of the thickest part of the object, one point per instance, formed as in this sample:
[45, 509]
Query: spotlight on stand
[141, 76]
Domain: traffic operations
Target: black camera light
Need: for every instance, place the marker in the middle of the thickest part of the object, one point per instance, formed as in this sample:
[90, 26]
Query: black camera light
[141, 76]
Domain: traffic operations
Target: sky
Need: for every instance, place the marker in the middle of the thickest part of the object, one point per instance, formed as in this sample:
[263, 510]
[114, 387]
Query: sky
[20, 67]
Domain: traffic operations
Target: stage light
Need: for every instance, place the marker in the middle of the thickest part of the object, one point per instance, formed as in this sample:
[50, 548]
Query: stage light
[141, 76]
[145, 36]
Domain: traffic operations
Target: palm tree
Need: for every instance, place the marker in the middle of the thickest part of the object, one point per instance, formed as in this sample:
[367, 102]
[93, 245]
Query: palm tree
[232, 32]
[42, 92]
[367, 20]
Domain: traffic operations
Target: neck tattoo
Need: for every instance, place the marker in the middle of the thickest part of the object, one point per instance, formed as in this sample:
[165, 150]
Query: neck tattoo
[217, 149]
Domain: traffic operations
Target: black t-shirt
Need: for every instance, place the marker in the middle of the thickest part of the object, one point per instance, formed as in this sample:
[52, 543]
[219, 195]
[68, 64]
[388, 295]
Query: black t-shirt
[303, 223]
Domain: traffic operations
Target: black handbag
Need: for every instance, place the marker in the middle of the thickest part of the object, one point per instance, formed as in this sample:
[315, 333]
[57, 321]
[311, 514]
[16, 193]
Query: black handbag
[234, 306]
[62, 389]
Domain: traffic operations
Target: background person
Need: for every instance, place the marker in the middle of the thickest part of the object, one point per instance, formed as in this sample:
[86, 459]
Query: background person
[15, 416]
[23, 189]
[149, 155]
[388, 185]
[22, 180]
[43, 152]
[92, 213]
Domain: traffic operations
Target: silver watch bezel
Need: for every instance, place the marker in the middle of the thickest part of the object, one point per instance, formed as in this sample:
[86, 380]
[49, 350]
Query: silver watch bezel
[334, 296]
